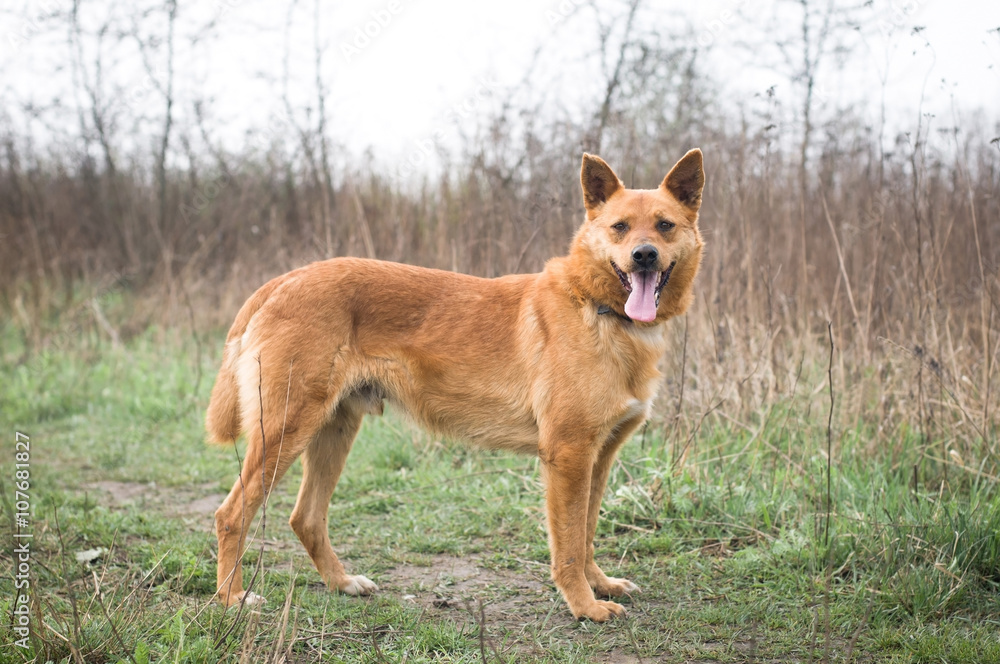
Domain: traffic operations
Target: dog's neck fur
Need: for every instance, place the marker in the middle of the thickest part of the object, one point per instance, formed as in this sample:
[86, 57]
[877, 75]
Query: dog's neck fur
[605, 309]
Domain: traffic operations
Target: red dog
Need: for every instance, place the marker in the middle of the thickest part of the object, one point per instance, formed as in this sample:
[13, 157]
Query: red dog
[561, 364]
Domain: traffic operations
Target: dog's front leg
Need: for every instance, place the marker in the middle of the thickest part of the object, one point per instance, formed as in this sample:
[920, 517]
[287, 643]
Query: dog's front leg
[568, 468]
[603, 585]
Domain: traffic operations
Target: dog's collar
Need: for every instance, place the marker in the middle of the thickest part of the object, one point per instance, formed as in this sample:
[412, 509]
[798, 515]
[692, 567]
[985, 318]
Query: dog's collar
[603, 309]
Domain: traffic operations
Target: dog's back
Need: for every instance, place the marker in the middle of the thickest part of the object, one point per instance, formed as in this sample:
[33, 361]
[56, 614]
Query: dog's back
[447, 348]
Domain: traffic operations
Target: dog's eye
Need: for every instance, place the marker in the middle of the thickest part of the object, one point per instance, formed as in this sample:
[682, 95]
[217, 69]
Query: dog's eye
[665, 226]
[621, 226]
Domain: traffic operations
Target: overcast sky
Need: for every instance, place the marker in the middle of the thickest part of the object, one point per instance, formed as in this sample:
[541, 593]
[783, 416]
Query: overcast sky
[435, 51]
[399, 84]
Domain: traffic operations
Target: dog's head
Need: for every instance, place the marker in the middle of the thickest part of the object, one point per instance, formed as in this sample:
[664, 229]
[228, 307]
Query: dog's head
[643, 240]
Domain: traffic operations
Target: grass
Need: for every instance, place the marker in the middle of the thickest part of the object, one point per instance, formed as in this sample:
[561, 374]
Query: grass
[729, 544]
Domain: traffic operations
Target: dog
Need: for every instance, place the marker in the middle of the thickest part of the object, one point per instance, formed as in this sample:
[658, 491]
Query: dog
[561, 364]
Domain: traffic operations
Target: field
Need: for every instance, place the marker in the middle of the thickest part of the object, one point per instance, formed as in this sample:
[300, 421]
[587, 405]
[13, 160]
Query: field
[820, 477]
[727, 530]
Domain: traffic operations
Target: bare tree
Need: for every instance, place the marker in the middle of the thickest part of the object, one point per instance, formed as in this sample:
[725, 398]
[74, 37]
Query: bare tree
[312, 139]
[163, 82]
[613, 74]
[324, 155]
[95, 118]
[825, 31]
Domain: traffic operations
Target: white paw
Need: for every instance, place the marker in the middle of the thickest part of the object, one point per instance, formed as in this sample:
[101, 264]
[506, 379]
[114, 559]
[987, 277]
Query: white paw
[248, 598]
[612, 587]
[358, 585]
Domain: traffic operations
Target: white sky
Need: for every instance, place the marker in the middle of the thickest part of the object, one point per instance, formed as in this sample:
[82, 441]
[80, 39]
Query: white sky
[433, 55]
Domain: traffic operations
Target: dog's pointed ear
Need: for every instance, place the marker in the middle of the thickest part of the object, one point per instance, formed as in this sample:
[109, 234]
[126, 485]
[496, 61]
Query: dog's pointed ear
[599, 183]
[686, 179]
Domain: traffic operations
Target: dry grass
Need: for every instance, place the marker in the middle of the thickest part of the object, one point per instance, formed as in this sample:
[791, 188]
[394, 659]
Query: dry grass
[899, 251]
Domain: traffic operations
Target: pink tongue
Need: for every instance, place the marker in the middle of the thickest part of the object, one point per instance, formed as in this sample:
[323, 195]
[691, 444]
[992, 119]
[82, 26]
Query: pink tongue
[641, 303]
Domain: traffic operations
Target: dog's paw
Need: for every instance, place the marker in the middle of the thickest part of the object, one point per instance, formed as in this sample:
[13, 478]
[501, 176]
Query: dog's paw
[253, 599]
[611, 587]
[245, 597]
[600, 611]
[357, 585]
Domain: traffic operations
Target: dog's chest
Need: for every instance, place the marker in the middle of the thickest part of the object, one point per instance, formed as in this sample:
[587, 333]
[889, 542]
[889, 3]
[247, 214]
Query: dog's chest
[632, 400]
[633, 408]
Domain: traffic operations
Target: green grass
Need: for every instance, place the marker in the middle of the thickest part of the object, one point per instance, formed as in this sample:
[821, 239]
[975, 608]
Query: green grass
[731, 550]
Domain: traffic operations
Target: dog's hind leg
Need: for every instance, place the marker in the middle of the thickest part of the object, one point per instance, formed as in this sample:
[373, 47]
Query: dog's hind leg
[322, 463]
[269, 454]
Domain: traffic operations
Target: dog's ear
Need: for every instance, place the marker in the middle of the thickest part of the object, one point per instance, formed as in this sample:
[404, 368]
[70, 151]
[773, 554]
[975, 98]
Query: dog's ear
[686, 179]
[599, 183]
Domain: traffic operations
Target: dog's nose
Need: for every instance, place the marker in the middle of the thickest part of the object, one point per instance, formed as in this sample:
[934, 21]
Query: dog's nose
[645, 255]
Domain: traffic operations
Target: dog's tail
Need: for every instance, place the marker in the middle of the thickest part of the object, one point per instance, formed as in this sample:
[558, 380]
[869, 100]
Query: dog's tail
[224, 417]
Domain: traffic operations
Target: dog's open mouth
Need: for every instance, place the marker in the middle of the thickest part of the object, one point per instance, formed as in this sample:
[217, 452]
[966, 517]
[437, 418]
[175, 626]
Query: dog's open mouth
[643, 288]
